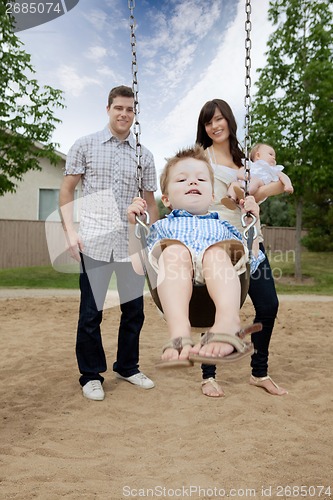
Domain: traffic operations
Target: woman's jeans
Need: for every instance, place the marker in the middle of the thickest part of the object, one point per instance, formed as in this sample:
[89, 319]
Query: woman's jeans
[94, 281]
[265, 301]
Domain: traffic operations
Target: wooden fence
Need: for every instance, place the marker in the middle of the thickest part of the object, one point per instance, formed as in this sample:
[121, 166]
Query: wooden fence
[280, 239]
[38, 243]
[32, 243]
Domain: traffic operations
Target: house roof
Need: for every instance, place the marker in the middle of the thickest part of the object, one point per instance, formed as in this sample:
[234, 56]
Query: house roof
[39, 145]
[61, 155]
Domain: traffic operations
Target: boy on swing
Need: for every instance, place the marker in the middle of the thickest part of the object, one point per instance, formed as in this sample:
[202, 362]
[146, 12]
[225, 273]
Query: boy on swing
[192, 245]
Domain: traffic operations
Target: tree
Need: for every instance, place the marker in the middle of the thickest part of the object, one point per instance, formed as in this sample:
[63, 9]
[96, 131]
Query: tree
[293, 105]
[26, 110]
[318, 211]
[276, 211]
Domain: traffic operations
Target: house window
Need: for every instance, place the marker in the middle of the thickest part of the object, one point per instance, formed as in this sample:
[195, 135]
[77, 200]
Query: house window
[49, 205]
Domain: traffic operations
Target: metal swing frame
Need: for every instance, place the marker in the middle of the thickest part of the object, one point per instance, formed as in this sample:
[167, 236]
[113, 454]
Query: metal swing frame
[201, 306]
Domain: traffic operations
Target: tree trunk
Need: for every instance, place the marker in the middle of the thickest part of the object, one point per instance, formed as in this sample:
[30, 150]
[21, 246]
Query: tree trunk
[298, 246]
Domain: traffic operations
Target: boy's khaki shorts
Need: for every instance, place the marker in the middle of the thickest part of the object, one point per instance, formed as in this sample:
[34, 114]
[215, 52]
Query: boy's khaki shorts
[235, 249]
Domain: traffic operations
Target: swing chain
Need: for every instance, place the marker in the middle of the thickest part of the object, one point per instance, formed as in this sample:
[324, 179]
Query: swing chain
[247, 101]
[135, 88]
[141, 228]
[250, 233]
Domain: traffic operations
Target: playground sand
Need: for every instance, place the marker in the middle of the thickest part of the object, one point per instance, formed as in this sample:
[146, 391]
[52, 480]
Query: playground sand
[170, 441]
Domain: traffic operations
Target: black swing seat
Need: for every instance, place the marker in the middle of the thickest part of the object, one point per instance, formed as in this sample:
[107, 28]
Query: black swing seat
[202, 308]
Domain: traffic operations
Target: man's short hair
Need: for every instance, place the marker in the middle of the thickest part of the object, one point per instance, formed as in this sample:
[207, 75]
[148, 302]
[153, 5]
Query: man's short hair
[120, 91]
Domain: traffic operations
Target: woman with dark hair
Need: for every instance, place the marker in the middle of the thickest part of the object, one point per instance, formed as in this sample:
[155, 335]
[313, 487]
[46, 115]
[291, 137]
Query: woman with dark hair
[217, 133]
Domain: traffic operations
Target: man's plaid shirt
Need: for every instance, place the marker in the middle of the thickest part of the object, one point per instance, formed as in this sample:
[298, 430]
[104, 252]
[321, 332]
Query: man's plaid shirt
[109, 183]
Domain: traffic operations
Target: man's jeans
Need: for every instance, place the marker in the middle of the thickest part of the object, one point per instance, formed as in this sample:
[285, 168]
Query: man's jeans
[94, 281]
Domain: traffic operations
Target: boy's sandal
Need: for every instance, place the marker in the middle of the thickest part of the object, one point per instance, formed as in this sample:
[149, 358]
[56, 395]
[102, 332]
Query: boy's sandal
[241, 347]
[178, 343]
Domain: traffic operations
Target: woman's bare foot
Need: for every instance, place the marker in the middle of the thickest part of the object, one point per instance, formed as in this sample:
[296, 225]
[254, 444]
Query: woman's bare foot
[268, 384]
[211, 388]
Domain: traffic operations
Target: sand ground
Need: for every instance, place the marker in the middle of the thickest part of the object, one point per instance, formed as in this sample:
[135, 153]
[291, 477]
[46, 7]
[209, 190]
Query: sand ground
[170, 441]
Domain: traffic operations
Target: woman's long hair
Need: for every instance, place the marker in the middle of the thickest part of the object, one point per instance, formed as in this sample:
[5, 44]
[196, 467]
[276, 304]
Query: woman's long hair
[206, 114]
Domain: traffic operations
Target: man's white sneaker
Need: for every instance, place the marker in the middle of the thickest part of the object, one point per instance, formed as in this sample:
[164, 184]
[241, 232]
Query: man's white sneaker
[93, 390]
[139, 379]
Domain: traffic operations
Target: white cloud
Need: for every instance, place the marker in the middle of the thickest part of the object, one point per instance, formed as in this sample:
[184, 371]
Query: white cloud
[194, 18]
[72, 82]
[95, 53]
[175, 39]
[97, 18]
[105, 71]
[224, 78]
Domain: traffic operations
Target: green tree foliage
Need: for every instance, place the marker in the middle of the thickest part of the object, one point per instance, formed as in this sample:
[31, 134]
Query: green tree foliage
[318, 215]
[276, 211]
[293, 105]
[26, 110]
[162, 210]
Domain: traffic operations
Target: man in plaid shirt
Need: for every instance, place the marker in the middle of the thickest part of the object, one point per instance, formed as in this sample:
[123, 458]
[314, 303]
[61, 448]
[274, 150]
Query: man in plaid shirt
[106, 164]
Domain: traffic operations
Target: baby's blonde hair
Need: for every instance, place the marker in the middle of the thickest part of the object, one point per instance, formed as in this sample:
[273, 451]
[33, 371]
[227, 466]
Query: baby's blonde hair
[196, 152]
[256, 148]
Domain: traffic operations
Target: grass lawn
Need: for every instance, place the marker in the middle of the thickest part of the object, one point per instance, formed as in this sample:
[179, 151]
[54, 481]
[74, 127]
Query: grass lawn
[317, 269]
[317, 273]
[37, 277]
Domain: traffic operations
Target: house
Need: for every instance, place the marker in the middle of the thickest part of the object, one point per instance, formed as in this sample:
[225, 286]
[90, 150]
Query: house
[36, 197]
[26, 239]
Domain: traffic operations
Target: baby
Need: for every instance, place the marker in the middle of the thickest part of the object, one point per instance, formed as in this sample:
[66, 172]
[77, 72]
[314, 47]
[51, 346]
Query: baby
[263, 170]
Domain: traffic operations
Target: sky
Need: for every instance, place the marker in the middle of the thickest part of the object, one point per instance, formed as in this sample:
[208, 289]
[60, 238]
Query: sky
[188, 52]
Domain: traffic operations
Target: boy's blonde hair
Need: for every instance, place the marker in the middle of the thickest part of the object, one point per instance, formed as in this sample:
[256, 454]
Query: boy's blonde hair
[256, 148]
[196, 152]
